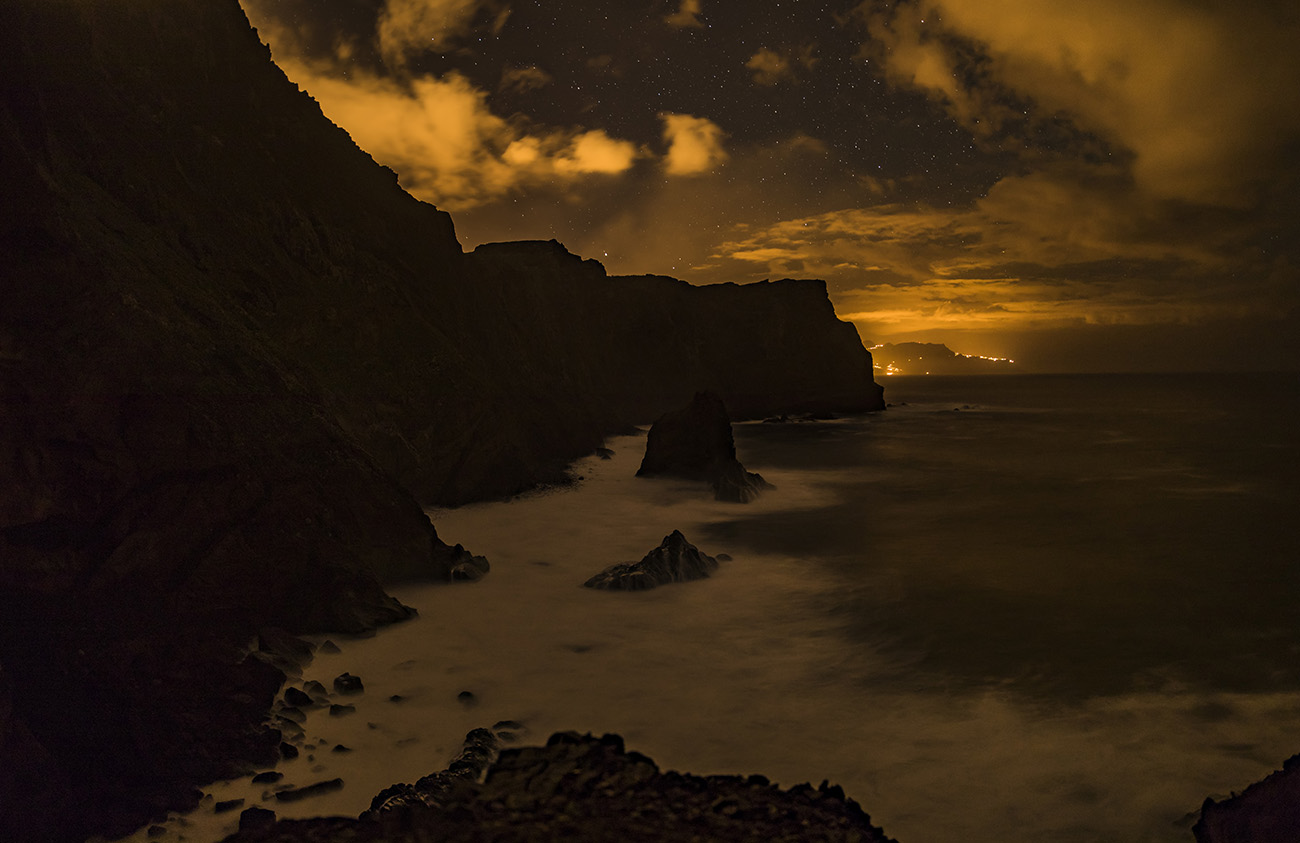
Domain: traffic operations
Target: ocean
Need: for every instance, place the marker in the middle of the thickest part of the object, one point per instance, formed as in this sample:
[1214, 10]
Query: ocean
[1008, 608]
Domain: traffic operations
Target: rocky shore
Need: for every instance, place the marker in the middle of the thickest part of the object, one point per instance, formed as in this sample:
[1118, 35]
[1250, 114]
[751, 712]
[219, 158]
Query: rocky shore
[581, 787]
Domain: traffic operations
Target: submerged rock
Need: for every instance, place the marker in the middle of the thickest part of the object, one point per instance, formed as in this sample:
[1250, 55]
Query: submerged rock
[674, 560]
[695, 442]
[346, 683]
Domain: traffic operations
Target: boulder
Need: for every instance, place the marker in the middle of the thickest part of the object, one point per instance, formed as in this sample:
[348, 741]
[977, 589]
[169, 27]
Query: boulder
[346, 683]
[695, 443]
[674, 560]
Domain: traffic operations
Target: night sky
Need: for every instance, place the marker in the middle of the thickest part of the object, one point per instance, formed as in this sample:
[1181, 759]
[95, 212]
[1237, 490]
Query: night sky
[1110, 185]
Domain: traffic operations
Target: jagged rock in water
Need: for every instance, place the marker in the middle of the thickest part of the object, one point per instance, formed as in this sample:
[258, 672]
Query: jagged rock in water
[674, 560]
[478, 751]
[1266, 812]
[580, 787]
[346, 683]
[695, 443]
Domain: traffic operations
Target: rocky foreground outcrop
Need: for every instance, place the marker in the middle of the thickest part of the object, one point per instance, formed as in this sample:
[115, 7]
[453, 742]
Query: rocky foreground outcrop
[674, 560]
[695, 442]
[586, 788]
[1266, 812]
[236, 362]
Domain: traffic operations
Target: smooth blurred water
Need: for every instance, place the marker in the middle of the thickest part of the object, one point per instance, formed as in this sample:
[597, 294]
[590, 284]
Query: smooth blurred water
[1053, 608]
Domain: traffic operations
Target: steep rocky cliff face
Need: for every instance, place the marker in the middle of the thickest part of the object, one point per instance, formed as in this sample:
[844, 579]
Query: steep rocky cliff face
[235, 360]
[1266, 812]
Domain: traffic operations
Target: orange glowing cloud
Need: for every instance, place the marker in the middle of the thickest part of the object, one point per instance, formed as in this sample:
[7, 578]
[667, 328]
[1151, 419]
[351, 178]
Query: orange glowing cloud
[1039, 251]
[1200, 95]
[694, 144]
[686, 16]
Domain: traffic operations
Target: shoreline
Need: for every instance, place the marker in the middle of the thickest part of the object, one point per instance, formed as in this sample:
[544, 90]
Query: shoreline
[794, 721]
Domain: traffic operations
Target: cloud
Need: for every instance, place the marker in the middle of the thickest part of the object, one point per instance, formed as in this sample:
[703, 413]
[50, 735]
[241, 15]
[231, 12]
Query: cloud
[1199, 95]
[596, 152]
[521, 80]
[694, 144]
[1043, 250]
[406, 26]
[769, 66]
[439, 132]
[449, 148]
[687, 15]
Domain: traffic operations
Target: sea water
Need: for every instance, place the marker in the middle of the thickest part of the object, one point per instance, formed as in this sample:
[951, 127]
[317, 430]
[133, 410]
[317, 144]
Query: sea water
[1008, 608]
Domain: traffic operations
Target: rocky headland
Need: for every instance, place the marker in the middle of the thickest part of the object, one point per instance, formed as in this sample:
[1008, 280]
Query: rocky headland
[236, 362]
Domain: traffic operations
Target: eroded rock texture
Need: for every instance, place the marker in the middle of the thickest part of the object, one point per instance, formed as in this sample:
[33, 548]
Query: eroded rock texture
[674, 560]
[579, 787]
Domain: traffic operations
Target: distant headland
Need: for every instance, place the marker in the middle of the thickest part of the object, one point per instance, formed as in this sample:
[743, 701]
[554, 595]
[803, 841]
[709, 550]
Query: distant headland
[932, 358]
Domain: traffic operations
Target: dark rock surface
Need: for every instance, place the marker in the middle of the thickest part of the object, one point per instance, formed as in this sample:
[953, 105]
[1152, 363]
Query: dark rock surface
[695, 442]
[674, 560]
[236, 361]
[586, 788]
[1266, 812]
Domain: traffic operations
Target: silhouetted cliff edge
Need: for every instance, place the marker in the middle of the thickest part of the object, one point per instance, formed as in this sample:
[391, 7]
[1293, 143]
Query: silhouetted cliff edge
[236, 358]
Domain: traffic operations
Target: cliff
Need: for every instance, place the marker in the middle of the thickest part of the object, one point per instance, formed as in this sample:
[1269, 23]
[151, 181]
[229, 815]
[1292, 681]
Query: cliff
[1267, 811]
[235, 361]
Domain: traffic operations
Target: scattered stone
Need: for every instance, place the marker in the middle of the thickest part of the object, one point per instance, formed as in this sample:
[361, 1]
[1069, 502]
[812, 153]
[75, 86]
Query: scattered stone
[310, 790]
[397, 698]
[288, 751]
[463, 566]
[346, 683]
[338, 747]
[467, 698]
[289, 728]
[268, 777]
[338, 710]
[674, 560]
[256, 819]
[156, 831]
[605, 453]
[317, 690]
[227, 805]
[328, 646]
[298, 698]
[723, 557]
[291, 713]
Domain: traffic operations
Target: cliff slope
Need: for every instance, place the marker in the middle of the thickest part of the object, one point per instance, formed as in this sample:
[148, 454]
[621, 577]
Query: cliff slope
[235, 361]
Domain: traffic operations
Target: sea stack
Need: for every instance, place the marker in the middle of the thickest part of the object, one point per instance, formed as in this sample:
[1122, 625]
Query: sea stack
[674, 560]
[695, 442]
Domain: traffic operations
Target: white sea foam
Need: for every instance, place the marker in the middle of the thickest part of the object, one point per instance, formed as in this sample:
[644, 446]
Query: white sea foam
[746, 672]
